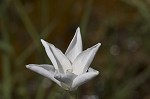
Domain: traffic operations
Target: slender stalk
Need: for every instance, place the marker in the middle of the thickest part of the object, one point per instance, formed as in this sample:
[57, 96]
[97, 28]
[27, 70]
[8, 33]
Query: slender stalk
[45, 33]
[72, 94]
[28, 51]
[6, 60]
[27, 22]
[40, 92]
[86, 16]
[124, 92]
[44, 12]
[141, 6]
[6, 47]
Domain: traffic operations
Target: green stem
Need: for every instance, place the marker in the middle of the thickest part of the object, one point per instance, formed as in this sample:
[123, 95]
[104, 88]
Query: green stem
[72, 94]
[44, 12]
[7, 85]
[27, 23]
[86, 16]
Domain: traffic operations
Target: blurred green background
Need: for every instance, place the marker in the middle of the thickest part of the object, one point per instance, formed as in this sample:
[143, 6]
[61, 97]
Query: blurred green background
[122, 26]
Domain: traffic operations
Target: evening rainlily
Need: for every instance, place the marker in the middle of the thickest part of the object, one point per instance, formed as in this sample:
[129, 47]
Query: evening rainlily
[69, 70]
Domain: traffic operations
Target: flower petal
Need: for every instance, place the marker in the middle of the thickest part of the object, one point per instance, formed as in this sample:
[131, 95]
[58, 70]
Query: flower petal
[62, 61]
[65, 78]
[81, 79]
[84, 59]
[75, 47]
[49, 53]
[45, 70]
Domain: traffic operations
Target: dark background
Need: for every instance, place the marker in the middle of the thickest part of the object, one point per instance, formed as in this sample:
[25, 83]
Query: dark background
[122, 26]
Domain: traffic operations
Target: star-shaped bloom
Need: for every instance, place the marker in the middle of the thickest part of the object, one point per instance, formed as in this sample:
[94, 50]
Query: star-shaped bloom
[69, 70]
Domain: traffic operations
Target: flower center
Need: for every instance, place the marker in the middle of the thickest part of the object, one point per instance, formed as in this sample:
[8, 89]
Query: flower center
[69, 71]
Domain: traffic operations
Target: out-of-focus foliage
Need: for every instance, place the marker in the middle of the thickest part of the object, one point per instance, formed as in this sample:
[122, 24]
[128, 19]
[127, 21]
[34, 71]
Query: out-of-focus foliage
[122, 26]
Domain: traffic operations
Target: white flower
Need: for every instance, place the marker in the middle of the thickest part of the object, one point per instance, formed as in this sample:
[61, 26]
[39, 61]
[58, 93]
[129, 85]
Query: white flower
[69, 70]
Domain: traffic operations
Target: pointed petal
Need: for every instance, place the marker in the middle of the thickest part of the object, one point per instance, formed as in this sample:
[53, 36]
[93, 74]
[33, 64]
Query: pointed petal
[81, 79]
[75, 47]
[45, 70]
[62, 61]
[84, 59]
[49, 53]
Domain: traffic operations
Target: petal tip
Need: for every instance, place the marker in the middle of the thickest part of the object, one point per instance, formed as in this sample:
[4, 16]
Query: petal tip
[43, 42]
[97, 72]
[27, 66]
[78, 28]
[99, 44]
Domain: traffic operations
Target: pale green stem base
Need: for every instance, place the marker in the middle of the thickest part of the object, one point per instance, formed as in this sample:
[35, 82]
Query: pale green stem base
[72, 94]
